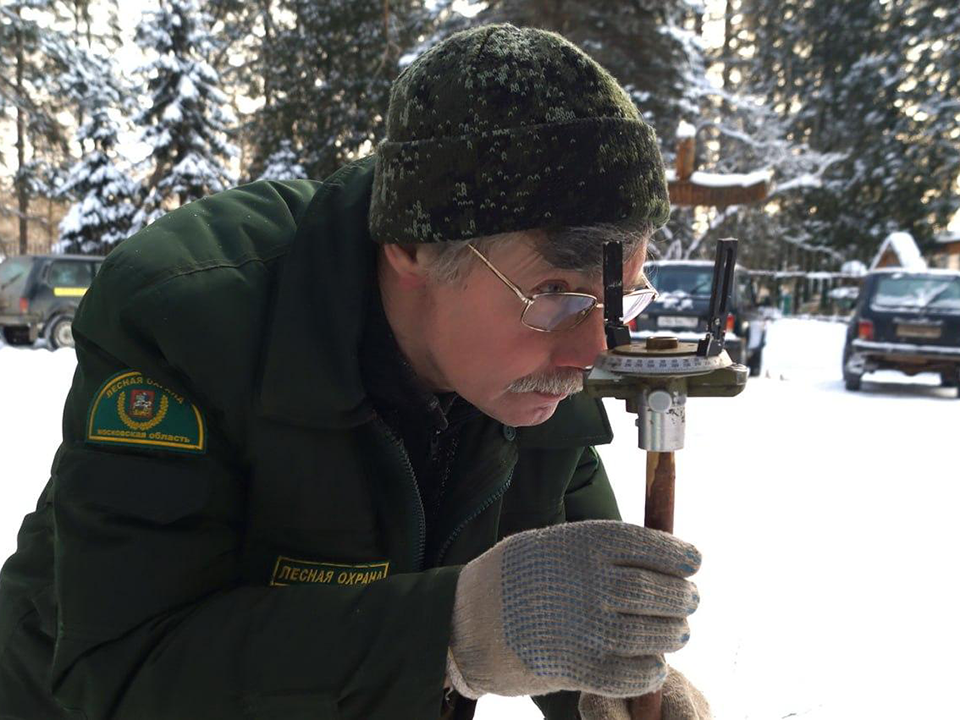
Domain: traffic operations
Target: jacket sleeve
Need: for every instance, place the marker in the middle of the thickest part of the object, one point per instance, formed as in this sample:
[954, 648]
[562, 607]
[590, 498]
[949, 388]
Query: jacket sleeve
[589, 495]
[154, 618]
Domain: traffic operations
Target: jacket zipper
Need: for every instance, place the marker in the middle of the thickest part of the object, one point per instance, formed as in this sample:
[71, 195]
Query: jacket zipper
[490, 500]
[412, 482]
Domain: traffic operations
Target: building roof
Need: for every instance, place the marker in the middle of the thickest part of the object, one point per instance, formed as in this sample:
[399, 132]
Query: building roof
[905, 248]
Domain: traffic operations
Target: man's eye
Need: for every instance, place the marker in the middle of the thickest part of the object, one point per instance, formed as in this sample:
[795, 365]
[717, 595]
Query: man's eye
[553, 286]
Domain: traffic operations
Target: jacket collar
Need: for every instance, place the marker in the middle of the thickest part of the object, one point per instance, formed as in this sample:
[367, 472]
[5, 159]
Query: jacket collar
[311, 374]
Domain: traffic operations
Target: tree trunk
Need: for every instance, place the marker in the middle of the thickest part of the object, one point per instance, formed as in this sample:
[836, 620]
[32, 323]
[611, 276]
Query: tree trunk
[267, 40]
[727, 61]
[23, 200]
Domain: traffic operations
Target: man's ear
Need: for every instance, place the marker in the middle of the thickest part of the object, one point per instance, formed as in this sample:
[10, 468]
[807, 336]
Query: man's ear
[408, 263]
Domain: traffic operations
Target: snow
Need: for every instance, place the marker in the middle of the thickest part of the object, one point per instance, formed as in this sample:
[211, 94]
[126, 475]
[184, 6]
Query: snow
[845, 293]
[707, 179]
[853, 267]
[826, 518]
[685, 130]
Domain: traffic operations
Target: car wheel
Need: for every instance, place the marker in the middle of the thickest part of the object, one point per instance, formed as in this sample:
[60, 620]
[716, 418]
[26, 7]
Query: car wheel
[951, 380]
[850, 380]
[756, 360]
[60, 333]
[16, 336]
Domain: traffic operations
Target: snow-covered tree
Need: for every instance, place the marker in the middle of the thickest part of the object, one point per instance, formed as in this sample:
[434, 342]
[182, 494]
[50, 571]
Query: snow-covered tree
[284, 164]
[32, 56]
[189, 119]
[740, 132]
[103, 196]
[104, 207]
[325, 70]
[870, 81]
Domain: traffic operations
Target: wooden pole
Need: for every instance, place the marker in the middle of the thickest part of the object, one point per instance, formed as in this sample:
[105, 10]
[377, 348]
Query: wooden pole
[658, 515]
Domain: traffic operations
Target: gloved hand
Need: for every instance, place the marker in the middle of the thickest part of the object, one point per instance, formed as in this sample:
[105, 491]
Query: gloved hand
[588, 606]
[681, 701]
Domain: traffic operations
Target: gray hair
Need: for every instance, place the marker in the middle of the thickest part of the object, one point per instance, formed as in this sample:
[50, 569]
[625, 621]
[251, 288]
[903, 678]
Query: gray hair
[567, 248]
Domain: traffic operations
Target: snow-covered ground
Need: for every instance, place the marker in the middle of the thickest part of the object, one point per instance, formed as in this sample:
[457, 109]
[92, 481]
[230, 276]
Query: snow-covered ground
[827, 520]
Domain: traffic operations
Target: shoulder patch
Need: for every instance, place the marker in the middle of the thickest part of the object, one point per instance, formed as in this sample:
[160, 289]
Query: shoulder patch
[131, 409]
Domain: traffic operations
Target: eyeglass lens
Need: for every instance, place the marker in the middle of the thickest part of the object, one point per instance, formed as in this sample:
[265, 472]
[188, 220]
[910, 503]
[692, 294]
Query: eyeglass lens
[553, 312]
[635, 303]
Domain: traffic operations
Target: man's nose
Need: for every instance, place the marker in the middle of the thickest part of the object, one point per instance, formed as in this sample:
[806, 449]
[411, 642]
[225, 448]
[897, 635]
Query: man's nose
[580, 346]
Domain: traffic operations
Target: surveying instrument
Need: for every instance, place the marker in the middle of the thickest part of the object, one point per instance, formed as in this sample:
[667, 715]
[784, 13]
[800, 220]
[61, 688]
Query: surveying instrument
[655, 377]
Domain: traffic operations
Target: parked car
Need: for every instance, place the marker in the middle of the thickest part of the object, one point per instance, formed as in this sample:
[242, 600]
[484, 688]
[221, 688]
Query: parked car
[684, 304]
[907, 321]
[39, 295]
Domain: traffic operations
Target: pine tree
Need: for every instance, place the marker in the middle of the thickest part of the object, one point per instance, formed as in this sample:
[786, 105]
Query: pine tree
[284, 164]
[850, 78]
[105, 196]
[33, 56]
[188, 121]
[741, 132]
[928, 40]
[325, 71]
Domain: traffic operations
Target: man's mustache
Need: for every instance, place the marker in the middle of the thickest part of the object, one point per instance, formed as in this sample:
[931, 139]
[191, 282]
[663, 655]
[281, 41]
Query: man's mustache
[562, 382]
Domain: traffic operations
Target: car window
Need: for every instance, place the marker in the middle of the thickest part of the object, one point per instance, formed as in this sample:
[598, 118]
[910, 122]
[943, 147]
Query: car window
[745, 290]
[13, 274]
[913, 291]
[681, 280]
[64, 273]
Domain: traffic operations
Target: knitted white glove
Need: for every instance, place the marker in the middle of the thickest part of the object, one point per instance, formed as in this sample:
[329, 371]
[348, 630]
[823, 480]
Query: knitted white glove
[681, 701]
[588, 606]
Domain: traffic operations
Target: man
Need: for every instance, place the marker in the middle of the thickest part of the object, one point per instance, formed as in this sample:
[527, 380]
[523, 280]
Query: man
[305, 413]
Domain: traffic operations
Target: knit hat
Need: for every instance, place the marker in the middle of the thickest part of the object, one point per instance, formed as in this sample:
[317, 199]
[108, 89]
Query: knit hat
[500, 129]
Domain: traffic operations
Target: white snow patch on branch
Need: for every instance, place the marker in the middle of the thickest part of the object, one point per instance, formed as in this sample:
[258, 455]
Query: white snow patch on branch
[707, 179]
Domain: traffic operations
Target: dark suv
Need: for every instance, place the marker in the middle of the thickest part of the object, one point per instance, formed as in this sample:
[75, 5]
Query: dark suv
[683, 308]
[907, 321]
[39, 295]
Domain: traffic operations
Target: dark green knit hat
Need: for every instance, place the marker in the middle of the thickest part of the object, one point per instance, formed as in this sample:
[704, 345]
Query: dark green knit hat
[500, 129]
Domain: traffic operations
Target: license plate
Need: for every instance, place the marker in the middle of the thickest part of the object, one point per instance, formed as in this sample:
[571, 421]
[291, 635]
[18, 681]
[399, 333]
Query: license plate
[925, 332]
[676, 321]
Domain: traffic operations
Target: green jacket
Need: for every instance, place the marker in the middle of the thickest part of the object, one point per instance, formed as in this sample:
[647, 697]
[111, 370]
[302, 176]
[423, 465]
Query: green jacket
[230, 531]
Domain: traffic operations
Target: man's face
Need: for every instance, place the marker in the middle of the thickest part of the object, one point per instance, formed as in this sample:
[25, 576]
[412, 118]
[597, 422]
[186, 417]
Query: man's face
[479, 348]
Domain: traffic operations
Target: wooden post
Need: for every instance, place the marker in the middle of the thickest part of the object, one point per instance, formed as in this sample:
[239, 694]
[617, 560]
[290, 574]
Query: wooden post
[658, 514]
[661, 484]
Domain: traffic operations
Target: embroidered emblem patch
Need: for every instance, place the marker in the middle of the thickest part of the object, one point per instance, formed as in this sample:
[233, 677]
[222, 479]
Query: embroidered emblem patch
[131, 409]
[288, 571]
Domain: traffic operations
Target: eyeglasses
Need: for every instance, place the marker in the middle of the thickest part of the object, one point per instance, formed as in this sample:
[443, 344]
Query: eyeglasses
[557, 311]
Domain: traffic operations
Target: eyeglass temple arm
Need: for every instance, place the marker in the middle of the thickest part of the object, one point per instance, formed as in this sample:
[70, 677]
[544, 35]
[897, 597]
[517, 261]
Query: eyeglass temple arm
[503, 278]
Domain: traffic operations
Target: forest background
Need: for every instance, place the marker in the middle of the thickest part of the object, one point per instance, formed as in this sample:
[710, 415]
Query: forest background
[112, 115]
